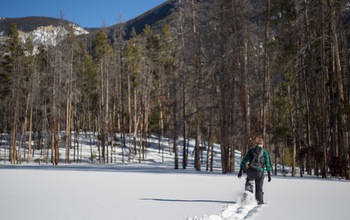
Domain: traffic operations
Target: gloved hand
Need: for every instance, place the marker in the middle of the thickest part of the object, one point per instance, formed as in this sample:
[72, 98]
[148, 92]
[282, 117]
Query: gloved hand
[240, 173]
[269, 176]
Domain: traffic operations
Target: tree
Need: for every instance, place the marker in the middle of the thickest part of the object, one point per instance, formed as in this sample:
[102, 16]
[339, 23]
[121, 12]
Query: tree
[30, 76]
[134, 69]
[169, 66]
[13, 65]
[102, 53]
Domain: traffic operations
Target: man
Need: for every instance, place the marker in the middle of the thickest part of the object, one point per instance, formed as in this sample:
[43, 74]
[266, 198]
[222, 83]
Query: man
[258, 159]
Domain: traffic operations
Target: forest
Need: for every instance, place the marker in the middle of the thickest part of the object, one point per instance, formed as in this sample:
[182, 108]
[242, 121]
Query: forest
[219, 71]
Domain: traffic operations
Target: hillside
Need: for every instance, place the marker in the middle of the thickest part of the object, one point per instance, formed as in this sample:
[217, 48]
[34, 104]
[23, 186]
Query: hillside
[154, 17]
[28, 24]
[42, 30]
[45, 30]
[151, 17]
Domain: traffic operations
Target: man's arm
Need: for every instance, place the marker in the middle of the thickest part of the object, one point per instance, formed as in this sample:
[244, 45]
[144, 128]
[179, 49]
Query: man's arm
[243, 163]
[268, 165]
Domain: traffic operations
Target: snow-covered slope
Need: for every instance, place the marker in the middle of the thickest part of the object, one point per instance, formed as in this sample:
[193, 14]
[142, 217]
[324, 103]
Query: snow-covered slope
[153, 190]
[49, 35]
[42, 31]
[144, 192]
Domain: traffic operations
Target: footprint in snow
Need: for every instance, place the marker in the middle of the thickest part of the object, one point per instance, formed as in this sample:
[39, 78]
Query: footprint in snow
[245, 208]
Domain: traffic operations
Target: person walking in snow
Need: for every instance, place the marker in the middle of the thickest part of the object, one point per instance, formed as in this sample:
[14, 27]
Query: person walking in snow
[258, 159]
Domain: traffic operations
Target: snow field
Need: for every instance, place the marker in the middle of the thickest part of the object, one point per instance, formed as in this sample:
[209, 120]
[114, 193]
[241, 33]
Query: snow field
[144, 192]
[153, 190]
[78, 193]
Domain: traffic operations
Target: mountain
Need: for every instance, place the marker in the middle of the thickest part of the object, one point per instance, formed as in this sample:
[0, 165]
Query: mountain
[49, 31]
[42, 30]
[155, 17]
[28, 24]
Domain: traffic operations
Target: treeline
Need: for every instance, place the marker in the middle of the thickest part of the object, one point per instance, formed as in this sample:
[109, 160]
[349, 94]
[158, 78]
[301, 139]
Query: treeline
[221, 71]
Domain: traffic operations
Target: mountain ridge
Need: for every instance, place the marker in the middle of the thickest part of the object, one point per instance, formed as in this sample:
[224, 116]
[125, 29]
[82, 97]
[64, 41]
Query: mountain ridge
[31, 23]
[46, 30]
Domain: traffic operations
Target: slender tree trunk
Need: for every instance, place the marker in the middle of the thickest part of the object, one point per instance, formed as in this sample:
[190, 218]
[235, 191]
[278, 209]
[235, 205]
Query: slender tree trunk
[14, 130]
[131, 154]
[176, 151]
[266, 96]
[122, 117]
[54, 141]
[136, 120]
[102, 113]
[184, 152]
[69, 115]
[106, 113]
[183, 86]
[242, 66]
[24, 128]
[30, 131]
[196, 61]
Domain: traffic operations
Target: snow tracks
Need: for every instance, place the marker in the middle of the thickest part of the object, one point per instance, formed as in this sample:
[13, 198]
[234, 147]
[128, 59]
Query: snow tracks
[245, 208]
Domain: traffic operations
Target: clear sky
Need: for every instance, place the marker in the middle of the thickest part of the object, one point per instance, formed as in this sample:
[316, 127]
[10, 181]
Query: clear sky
[86, 13]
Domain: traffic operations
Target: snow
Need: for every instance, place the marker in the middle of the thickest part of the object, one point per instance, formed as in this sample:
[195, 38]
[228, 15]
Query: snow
[49, 35]
[156, 191]
[78, 30]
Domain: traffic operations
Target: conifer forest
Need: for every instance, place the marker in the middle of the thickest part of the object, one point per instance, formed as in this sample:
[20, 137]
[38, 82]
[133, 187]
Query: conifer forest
[220, 71]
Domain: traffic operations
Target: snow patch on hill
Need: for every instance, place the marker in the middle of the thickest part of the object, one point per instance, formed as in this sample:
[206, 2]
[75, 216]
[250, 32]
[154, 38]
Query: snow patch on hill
[49, 35]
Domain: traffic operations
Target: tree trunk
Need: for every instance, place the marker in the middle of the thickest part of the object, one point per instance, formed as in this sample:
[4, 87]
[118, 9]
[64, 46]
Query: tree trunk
[176, 151]
[14, 130]
[266, 96]
[30, 131]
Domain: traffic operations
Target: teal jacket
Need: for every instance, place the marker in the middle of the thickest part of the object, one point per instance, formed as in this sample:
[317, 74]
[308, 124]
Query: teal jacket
[250, 155]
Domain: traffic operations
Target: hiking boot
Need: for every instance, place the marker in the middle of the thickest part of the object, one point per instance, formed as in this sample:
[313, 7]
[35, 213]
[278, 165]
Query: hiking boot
[260, 203]
[249, 185]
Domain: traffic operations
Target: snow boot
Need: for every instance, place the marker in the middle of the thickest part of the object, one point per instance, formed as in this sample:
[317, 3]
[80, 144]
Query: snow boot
[249, 185]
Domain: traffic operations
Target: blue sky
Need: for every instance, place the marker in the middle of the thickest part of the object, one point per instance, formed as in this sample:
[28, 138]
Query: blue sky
[86, 13]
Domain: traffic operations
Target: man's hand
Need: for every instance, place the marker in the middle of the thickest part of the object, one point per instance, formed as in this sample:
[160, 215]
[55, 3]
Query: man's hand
[269, 176]
[240, 173]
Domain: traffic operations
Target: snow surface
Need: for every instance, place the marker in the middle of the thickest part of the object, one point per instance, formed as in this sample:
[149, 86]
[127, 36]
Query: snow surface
[155, 191]
[137, 192]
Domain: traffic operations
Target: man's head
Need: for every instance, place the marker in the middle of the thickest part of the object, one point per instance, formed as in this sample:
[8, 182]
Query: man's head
[259, 141]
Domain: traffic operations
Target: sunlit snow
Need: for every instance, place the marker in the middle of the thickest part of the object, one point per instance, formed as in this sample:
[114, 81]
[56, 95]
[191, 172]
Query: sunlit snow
[154, 190]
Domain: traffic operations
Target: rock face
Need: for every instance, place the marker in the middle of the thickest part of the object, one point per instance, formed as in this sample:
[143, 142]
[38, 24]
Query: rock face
[49, 35]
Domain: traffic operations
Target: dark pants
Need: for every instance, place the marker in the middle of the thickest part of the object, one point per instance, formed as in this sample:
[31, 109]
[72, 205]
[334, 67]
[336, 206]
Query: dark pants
[259, 182]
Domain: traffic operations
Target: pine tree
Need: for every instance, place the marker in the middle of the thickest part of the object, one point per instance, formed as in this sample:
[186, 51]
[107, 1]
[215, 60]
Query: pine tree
[102, 53]
[13, 64]
[133, 65]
